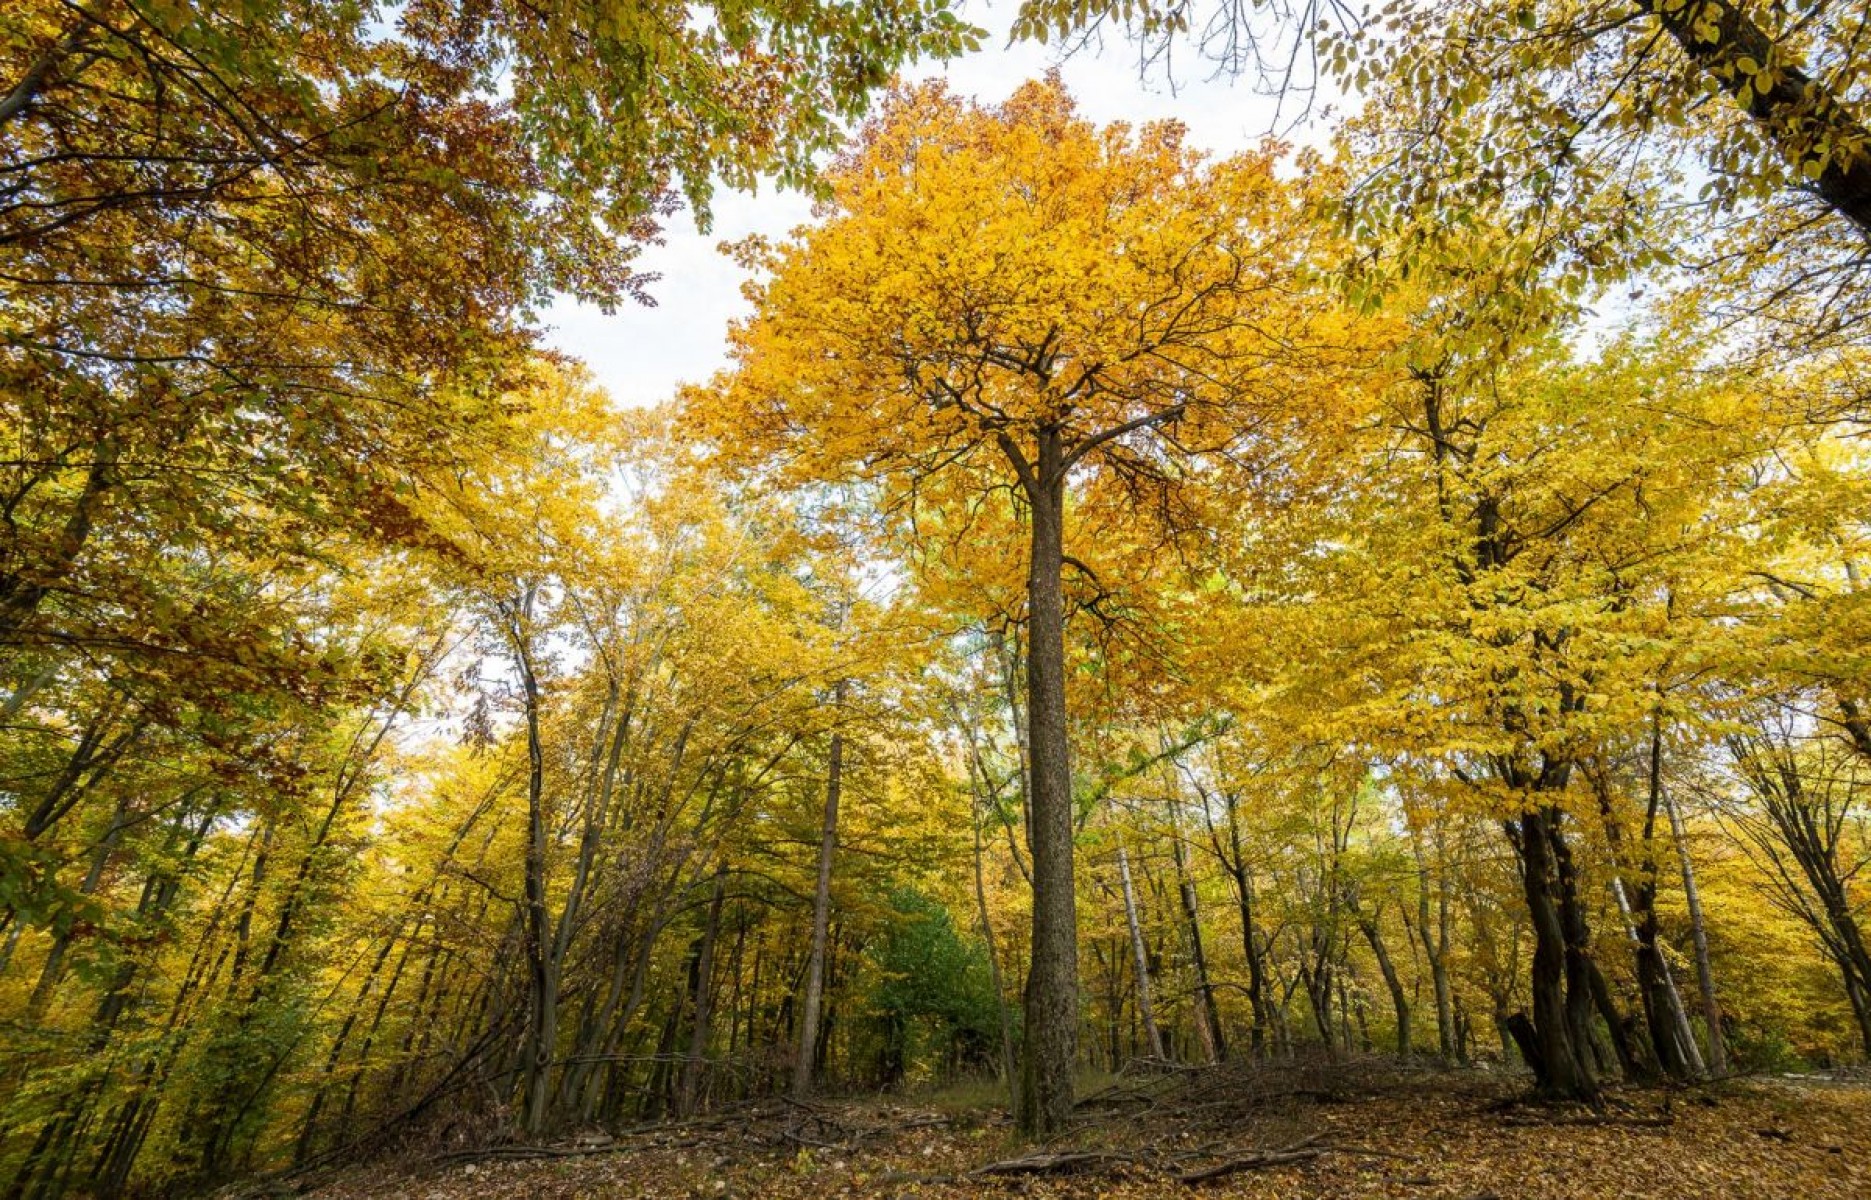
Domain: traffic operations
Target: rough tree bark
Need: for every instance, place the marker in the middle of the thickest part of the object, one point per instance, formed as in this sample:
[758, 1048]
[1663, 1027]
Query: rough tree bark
[1051, 1034]
[1557, 1044]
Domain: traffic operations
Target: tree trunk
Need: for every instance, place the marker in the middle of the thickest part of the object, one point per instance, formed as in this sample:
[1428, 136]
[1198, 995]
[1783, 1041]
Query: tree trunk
[1551, 1043]
[1705, 975]
[1146, 1010]
[1207, 1016]
[1399, 1000]
[689, 1090]
[1052, 979]
[1250, 939]
[993, 951]
[541, 977]
[1827, 147]
[1436, 948]
[821, 914]
[1670, 1035]
[24, 588]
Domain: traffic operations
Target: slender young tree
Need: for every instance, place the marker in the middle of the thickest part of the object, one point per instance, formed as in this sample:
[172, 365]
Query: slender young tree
[821, 910]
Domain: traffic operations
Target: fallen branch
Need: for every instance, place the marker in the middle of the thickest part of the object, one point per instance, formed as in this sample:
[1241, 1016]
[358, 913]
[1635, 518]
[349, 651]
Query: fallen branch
[1624, 1122]
[1303, 1150]
[1061, 1163]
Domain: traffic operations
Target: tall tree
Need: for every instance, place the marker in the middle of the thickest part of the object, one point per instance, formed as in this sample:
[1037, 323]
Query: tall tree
[1081, 318]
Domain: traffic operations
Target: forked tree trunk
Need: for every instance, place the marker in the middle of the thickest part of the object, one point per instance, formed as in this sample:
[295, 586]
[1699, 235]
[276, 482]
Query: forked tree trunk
[1556, 1042]
[1436, 949]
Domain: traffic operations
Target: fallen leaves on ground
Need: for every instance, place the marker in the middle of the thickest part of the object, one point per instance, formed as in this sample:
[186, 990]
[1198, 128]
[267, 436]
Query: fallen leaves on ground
[1226, 1133]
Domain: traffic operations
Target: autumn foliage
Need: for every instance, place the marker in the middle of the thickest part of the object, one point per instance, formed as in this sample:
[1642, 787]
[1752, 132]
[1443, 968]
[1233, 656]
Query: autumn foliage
[1120, 611]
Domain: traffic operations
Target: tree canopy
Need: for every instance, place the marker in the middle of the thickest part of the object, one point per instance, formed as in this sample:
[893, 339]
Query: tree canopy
[1119, 609]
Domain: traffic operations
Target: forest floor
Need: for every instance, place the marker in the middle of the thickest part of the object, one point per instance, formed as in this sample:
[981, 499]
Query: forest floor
[1344, 1132]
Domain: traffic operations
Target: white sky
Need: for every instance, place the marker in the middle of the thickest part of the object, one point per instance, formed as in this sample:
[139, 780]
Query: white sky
[640, 354]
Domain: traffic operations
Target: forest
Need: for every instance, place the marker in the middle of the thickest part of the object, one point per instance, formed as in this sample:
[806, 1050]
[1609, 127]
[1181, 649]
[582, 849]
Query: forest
[1339, 667]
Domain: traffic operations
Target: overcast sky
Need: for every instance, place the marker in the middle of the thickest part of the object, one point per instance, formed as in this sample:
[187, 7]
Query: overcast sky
[640, 354]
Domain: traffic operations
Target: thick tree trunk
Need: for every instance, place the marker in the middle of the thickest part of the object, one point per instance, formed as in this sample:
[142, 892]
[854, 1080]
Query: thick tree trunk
[1051, 1047]
[1146, 1009]
[1552, 1045]
[821, 914]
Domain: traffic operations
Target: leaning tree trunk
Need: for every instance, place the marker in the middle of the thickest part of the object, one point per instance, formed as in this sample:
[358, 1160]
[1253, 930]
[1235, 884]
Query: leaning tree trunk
[1207, 1015]
[1812, 128]
[1399, 999]
[1705, 975]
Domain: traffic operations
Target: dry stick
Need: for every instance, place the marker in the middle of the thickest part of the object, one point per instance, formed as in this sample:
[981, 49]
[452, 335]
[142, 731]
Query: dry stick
[1301, 1151]
[1050, 1164]
[1620, 1122]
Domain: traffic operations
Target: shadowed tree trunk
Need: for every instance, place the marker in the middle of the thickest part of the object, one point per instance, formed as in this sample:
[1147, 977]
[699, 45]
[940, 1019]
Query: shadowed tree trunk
[689, 1089]
[1556, 1043]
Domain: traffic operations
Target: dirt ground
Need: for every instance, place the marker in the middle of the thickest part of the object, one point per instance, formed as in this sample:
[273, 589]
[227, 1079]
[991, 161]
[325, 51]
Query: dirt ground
[1346, 1133]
